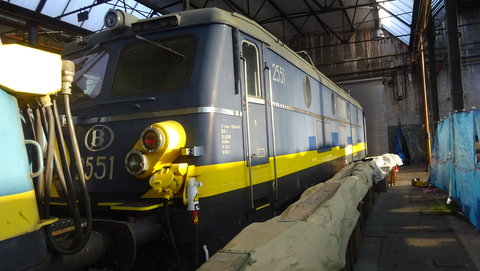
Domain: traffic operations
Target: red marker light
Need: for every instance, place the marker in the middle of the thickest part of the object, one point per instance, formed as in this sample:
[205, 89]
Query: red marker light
[153, 139]
[150, 140]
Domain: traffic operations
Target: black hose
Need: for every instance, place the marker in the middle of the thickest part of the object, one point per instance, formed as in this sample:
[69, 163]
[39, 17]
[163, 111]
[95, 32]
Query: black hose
[49, 163]
[81, 236]
[79, 167]
[62, 151]
[170, 232]
[78, 239]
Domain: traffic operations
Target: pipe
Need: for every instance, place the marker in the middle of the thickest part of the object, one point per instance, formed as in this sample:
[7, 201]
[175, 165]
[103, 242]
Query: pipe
[193, 207]
[93, 251]
[274, 145]
[121, 239]
[428, 147]
[146, 229]
[361, 80]
[207, 255]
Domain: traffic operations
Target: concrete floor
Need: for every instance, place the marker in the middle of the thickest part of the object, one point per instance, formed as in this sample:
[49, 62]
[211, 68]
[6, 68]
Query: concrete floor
[409, 229]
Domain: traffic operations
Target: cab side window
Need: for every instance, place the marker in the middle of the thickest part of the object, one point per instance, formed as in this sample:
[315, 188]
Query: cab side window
[252, 69]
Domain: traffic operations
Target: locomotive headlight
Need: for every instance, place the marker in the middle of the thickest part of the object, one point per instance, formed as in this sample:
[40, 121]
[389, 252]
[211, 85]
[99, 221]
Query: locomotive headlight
[135, 162]
[113, 19]
[159, 145]
[153, 139]
[116, 19]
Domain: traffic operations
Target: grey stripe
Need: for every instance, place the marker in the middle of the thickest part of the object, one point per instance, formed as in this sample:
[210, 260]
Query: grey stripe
[165, 113]
[309, 113]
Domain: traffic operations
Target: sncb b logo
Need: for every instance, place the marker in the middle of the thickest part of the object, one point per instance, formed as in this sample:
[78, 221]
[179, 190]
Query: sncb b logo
[99, 137]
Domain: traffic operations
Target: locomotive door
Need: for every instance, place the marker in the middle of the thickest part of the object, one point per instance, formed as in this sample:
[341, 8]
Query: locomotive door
[256, 123]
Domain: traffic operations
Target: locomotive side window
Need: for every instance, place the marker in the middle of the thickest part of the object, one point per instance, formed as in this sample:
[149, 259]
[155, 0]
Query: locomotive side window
[307, 91]
[333, 103]
[349, 117]
[342, 108]
[320, 133]
[252, 69]
[145, 67]
[356, 115]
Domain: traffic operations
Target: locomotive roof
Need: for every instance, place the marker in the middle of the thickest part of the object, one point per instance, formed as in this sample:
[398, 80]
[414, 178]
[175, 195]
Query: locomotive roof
[218, 16]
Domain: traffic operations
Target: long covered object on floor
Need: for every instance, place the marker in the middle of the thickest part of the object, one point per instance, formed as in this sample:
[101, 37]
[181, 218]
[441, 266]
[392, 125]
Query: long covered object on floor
[311, 234]
[456, 161]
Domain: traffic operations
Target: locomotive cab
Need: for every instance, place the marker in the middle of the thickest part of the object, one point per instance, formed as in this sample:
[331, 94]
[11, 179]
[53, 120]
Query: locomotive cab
[128, 79]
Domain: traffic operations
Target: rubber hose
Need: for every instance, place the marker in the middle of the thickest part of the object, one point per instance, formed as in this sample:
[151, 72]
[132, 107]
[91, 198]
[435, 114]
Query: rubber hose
[61, 149]
[78, 163]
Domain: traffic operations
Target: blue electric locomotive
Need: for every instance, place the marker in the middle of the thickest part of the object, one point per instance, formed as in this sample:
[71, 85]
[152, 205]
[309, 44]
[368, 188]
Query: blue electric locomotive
[204, 114]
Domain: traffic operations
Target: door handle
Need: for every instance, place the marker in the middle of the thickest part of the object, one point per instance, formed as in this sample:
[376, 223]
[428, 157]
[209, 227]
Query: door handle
[40, 166]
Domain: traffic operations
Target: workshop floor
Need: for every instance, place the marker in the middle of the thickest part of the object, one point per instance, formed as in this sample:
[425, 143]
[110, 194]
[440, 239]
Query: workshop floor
[410, 229]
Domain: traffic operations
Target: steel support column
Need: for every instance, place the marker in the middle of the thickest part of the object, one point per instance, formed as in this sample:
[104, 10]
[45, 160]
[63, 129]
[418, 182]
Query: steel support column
[32, 29]
[454, 55]
[432, 62]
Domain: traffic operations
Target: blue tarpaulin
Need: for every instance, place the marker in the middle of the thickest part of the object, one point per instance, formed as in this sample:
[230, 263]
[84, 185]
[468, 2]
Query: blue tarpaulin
[401, 148]
[455, 167]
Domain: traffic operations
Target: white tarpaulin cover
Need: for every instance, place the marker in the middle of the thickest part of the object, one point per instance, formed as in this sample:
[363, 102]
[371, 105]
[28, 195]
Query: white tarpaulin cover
[313, 233]
[384, 164]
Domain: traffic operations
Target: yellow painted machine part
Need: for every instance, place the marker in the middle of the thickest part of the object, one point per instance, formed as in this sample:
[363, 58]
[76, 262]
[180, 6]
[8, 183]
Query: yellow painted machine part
[222, 178]
[175, 138]
[18, 214]
[29, 70]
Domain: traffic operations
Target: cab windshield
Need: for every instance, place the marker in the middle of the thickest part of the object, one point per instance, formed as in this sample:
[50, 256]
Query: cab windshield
[154, 66]
[89, 74]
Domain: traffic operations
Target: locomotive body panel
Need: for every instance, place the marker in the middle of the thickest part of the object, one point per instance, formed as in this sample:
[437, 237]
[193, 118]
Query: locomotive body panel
[268, 123]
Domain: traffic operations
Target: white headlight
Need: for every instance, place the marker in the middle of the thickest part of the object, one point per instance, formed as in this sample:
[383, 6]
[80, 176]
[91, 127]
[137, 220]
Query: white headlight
[116, 19]
[135, 162]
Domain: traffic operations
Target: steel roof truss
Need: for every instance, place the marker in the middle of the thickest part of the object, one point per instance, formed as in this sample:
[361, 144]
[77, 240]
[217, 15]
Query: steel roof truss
[236, 7]
[345, 14]
[351, 34]
[321, 22]
[283, 15]
[259, 9]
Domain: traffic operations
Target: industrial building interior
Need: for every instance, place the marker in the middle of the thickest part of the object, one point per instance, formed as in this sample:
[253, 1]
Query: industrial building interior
[412, 65]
